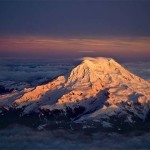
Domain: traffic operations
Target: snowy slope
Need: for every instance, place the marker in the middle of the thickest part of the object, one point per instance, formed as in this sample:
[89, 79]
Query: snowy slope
[100, 86]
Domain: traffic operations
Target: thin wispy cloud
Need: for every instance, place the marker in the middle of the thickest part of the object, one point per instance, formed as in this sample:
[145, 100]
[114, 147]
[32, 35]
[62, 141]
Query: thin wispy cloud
[86, 51]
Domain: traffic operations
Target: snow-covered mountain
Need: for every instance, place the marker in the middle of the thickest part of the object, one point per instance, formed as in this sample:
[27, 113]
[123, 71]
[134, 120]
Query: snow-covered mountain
[98, 90]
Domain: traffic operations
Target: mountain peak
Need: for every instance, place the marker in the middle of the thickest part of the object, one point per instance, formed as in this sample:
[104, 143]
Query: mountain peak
[100, 63]
[99, 71]
[98, 60]
[95, 84]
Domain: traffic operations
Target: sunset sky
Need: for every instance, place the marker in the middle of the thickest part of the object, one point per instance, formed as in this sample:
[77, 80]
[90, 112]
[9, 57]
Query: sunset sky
[69, 28]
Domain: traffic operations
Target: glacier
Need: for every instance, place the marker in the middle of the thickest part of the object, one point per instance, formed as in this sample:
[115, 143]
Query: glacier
[98, 92]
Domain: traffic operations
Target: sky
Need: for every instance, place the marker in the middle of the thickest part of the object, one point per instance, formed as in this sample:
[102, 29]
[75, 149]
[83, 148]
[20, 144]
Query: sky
[75, 28]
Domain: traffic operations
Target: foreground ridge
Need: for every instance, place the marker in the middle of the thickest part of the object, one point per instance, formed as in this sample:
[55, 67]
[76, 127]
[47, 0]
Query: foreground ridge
[97, 91]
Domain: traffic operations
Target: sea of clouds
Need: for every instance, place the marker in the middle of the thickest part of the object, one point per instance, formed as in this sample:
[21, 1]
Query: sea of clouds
[24, 138]
[141, 69]
[24, 73]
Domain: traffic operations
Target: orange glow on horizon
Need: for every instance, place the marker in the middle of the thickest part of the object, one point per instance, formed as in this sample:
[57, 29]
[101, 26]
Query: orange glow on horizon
[76, 45]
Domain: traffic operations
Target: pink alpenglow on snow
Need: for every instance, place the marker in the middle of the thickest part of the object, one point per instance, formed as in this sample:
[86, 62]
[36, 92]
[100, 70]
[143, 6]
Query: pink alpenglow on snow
[99, 85]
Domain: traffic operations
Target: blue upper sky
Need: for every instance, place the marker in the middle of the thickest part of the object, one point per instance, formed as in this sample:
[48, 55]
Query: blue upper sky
[73, 18]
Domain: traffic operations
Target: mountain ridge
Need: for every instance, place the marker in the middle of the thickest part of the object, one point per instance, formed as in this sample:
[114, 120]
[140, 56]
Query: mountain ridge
[100, 86]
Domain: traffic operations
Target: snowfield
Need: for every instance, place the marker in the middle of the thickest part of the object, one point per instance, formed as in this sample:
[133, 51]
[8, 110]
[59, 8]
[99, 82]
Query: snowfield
[97, 91]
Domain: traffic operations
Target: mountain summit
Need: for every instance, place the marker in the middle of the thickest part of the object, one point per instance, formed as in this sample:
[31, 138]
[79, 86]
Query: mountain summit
[101, 72]
[97, 90]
